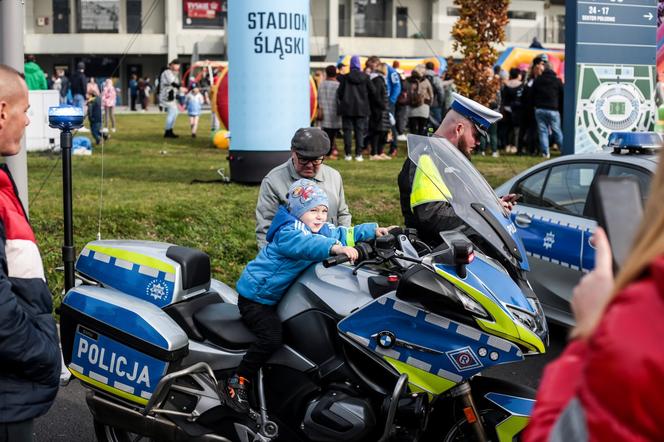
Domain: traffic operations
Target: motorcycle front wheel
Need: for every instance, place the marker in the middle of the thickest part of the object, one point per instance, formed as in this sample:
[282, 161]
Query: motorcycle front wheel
[462, 431]
[107, 433]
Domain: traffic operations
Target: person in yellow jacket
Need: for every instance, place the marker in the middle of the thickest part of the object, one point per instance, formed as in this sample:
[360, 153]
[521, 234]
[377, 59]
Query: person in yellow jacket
[423, 206]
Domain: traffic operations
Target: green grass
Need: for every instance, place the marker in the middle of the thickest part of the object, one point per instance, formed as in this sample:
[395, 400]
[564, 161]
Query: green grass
[148, 194]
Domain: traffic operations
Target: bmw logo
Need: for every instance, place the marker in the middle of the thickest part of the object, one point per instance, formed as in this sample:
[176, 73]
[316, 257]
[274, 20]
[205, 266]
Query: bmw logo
[386, 339]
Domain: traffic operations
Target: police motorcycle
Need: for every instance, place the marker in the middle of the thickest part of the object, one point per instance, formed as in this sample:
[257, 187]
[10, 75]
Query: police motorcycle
[390, 349]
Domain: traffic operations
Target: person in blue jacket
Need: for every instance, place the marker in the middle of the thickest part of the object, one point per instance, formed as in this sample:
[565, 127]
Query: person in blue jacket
[298, 237]
[393, 90]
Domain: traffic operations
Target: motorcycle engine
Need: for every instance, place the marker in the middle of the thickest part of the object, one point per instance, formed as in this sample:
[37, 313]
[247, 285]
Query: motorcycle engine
[336, 416]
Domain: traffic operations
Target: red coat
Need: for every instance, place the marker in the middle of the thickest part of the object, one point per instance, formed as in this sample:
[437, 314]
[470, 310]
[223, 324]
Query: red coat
[617, 375]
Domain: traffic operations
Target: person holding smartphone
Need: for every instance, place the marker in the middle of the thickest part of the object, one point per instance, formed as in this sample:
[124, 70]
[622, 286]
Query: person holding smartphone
[607, 384]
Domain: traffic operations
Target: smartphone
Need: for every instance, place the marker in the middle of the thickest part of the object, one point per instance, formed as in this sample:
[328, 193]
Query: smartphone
[619, 213]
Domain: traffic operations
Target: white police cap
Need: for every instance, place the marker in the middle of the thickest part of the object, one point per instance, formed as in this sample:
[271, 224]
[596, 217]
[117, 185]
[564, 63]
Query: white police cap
[481, 116]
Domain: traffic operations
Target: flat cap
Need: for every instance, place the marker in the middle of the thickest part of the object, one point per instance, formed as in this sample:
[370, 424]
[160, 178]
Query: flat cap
[310, 142]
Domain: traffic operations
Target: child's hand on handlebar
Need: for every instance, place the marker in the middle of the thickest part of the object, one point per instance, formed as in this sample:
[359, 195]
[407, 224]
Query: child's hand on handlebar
[382, 231]
[350, 252]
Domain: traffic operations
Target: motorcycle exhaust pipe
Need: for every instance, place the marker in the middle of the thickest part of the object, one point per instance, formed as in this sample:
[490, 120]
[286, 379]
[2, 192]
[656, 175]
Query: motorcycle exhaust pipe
[155, 427]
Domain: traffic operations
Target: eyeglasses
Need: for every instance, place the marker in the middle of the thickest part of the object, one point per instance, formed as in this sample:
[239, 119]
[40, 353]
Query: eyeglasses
[314, 161]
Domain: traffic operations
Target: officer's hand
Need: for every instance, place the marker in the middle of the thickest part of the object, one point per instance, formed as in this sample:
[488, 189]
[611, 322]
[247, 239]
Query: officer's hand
[509, 201]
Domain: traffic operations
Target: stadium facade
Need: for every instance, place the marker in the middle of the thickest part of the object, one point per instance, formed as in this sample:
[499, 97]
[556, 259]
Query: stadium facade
[121, 37]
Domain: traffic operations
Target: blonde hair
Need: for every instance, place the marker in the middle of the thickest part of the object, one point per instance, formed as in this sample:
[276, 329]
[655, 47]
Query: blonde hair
[382, 68]
[648, 240]
[420, 69]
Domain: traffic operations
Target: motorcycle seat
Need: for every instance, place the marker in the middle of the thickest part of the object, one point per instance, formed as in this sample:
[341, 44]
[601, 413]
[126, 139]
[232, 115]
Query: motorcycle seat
[222, 325]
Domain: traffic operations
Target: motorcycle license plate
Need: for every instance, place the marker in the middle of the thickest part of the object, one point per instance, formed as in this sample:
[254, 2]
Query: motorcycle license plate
[115, 365]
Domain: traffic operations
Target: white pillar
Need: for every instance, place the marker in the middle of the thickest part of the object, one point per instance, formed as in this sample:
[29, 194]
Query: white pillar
[12, 17]
[172, 28]
[332, 22]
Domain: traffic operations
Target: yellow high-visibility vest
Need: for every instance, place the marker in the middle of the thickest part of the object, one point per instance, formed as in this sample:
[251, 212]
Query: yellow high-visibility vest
[428, 185]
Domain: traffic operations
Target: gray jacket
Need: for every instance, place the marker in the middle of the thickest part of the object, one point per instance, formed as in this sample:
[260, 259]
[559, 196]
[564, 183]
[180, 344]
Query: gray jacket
[166, 82]
[275, 187]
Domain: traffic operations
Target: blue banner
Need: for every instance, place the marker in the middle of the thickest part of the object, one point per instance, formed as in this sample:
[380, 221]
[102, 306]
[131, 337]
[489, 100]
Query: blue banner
[268, 52]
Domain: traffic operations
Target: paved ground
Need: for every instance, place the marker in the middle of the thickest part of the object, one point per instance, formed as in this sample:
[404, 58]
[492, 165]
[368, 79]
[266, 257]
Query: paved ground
[69, 420]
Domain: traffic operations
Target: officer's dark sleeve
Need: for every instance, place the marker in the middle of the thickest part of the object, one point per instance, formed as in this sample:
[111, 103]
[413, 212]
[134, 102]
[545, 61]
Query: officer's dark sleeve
[436, 217]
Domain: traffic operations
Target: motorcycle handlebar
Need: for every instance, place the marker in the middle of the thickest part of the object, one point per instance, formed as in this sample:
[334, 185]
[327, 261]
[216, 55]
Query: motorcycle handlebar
[364, 250]
[335, 260]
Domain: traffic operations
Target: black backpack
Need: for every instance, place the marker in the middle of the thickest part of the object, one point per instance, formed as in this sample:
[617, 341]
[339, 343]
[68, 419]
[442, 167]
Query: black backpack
[436, 101]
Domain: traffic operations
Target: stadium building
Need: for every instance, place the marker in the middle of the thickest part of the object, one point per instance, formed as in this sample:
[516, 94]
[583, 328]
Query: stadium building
[120, 37]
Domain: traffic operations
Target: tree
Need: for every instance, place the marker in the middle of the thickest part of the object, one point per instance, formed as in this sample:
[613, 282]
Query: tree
[480, 26]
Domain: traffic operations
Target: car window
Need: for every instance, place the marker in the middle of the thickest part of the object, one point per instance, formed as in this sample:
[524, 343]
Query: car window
[642, 177]
[567, 188]
[531, 188]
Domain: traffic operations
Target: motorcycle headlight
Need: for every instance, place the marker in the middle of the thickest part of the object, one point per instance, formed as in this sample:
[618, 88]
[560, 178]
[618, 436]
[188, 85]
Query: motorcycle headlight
[471, 305]
[540, 320]
[525, 318]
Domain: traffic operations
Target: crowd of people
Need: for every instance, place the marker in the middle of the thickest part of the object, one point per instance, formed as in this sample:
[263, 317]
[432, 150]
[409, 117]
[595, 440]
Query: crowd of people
[377, 104]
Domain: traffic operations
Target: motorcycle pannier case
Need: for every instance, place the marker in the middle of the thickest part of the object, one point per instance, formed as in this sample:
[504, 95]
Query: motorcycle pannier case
[156, 272]
[118, 343]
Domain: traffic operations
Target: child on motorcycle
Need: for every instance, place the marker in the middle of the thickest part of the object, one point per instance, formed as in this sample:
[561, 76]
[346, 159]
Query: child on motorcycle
[298, 236]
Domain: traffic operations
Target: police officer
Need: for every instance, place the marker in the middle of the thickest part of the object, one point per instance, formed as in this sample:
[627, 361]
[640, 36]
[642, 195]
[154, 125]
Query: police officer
[429, 212]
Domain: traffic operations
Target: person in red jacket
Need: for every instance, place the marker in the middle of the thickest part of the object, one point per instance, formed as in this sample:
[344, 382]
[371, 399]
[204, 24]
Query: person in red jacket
[29, 351]
[608, 384]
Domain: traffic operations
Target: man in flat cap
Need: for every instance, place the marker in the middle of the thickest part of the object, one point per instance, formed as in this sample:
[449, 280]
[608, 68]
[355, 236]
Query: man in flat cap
[308, 148]
[463, 126]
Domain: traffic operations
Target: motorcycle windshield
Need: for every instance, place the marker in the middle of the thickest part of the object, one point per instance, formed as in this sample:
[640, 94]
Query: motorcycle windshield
[446, 174]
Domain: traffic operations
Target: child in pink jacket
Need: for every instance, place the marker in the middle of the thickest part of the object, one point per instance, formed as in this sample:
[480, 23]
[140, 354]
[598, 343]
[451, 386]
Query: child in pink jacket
[108, 98]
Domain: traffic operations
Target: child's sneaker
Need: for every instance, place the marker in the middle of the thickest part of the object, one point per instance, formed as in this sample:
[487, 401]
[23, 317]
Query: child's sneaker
[237, 394]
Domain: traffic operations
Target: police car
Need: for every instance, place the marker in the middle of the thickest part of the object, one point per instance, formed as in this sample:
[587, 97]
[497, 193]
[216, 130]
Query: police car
[556, 214]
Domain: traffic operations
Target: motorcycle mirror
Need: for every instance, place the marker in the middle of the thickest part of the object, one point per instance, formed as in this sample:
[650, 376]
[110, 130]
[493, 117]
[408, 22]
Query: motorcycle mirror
[463, 255]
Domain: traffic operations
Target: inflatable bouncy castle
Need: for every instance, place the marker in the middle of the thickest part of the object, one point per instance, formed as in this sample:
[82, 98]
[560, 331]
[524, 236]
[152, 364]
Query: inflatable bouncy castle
[522, 58]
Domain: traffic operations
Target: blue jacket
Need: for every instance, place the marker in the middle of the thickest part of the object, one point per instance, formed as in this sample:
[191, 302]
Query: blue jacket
[393, 84]
[291, 248]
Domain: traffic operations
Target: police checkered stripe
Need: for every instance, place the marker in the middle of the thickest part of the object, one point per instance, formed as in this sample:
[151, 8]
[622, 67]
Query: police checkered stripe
[124, 387]
[499, 343]
[361, 339]
[490, 341]
[76, 367]
[387, 352]
[104, 380]
[419, 364]
[449, 375]
[553, 261]
[437, 320]
[556, 221]
[583, 229]
[98, 377]
[126, 265]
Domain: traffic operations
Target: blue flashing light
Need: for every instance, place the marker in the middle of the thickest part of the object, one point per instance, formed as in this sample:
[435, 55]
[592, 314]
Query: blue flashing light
[634, 141]
[65, 117]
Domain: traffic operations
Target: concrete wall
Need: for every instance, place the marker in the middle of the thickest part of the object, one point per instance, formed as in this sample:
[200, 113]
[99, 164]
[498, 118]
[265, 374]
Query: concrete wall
[318, 18]
[430, 16]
